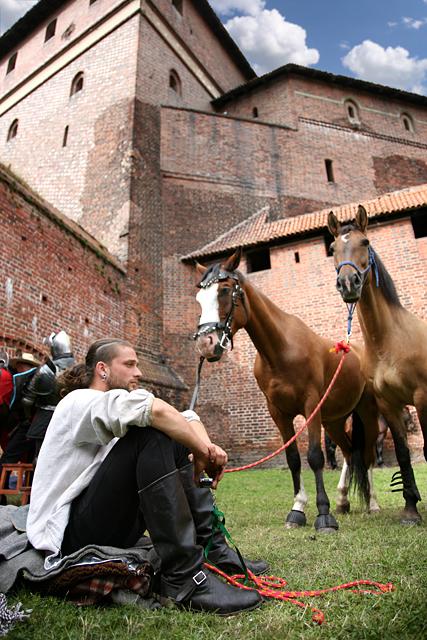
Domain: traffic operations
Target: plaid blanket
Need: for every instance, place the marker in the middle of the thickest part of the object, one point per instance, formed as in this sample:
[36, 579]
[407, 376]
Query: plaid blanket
[93, 584]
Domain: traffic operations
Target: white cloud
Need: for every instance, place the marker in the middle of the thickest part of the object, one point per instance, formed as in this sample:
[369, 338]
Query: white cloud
[229, 7]
[12, 10]
[412, 23]
[391, 66]
[269, 41]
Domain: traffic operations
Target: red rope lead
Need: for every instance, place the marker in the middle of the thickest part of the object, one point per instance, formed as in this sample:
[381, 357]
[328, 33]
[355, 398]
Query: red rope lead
[340, 346]
[273, 587]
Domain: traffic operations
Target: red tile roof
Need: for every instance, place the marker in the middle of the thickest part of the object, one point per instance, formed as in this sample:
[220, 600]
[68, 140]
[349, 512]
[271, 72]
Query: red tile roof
[259, 230]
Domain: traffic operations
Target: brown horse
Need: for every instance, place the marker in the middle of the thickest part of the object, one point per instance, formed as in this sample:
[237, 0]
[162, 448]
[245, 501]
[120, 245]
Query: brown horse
[293, 368]
[395, 362]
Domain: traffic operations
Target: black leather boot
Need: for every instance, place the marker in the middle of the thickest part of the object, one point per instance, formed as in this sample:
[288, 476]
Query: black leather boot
[220, 554]
[183, 580]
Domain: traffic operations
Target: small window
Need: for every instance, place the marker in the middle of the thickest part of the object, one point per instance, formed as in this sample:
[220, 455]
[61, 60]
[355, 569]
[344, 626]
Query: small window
[65, 136]
[407, 122]
[178, 4]
[77, 83]
[12, 63]
[255, 112]
[13, 130]
[419, 224]
[175, 82]
[50, 30]
[258, 260]
[329, 170]
[352, 111]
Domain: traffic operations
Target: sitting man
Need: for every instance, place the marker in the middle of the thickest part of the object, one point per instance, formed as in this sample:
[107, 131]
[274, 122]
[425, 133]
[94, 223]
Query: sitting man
[114, 462]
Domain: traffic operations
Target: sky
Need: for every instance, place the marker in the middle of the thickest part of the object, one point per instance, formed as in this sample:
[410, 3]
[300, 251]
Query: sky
[383, 41]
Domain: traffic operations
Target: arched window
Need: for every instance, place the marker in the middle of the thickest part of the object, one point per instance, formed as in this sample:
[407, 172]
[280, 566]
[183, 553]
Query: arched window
[255, 112]
[175, 82]
[352, 111]
[407, 122]
[77, 83]
[13, 130]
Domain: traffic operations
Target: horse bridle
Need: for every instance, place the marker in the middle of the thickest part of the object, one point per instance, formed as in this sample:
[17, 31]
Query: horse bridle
[363, 272]
[351, 306]
[237, 293]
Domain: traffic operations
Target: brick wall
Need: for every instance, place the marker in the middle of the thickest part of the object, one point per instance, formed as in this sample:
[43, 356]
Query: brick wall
[73, 19]
[52, 277]
[88, 179]
[192, 29]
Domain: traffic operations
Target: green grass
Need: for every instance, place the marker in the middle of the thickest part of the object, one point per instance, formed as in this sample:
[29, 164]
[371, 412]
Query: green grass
[374, 547]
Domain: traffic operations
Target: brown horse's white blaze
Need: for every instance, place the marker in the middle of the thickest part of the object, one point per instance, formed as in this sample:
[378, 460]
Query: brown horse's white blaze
[395, 361]
[207, 343]
[293, 367]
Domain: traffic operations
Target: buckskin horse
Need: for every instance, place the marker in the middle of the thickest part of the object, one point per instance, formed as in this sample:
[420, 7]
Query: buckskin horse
[293, 367]
[395, 362]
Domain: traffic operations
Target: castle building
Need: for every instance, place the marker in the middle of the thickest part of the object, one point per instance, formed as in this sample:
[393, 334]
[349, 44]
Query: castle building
[134, 134]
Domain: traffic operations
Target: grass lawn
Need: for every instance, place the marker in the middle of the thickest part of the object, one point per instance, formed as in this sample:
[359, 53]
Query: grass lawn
[374, 547]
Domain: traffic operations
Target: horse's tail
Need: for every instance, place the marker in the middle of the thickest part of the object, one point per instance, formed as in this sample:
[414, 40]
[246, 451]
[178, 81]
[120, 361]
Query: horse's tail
[358, 469]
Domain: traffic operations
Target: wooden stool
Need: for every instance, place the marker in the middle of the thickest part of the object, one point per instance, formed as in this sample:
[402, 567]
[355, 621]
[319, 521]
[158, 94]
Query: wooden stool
[24, 473]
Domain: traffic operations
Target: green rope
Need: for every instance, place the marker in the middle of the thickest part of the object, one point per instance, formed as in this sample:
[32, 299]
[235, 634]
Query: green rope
[218, 524]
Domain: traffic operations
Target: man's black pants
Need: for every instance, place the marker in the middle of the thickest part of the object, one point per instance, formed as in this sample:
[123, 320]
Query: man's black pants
[108, 512]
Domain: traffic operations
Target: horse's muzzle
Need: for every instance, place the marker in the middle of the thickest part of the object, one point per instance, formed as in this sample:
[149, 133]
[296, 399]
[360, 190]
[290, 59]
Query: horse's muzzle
[350, 286]
[209, 346]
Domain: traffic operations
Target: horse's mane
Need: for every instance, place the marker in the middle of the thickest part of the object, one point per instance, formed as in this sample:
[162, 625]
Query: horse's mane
[386, 283]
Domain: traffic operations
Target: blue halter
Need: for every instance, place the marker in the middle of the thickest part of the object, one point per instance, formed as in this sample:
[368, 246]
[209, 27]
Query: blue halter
[362, 272]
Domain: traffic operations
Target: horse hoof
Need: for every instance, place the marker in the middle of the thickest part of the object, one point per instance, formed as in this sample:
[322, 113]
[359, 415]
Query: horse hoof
[343, 508]
[410, 518]
[295, 519]
[374, 510]
[326, 523]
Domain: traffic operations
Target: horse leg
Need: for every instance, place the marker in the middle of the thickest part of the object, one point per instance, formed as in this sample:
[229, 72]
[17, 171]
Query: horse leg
[296, 516]
[374, 507]
[343, 504]
[325, 521]
[421, 407]
[411, 494]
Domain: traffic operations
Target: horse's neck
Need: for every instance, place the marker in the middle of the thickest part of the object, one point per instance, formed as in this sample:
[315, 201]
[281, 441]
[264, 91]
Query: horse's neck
[377, 317]
[266, 324]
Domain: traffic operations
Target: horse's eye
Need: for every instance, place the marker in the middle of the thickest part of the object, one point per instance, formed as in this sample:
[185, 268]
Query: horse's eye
[365, 242]
[224, 291]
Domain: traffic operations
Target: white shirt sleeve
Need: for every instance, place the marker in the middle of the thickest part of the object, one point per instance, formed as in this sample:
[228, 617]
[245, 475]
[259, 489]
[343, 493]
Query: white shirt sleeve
[190, 415]
[110, 414]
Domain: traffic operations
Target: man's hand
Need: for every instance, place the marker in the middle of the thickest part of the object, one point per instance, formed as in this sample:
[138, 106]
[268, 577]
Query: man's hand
[213, 464]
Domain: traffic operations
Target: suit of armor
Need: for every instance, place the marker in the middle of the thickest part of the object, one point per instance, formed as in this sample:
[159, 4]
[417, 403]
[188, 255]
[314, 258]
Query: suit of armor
[41, 395]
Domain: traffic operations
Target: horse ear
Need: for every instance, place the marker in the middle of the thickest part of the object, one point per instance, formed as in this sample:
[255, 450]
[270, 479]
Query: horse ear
[362, 218]
[200, 268]
[233, 261]
[333, 224]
